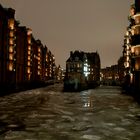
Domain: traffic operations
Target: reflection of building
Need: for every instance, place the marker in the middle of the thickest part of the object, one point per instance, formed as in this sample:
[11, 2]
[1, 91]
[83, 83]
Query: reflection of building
[82, 70]
[24, 61]
[109, 75]
[131, 46]
[59, 73]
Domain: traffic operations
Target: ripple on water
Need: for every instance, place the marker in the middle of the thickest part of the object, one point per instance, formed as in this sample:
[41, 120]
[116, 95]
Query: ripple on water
[91, 137]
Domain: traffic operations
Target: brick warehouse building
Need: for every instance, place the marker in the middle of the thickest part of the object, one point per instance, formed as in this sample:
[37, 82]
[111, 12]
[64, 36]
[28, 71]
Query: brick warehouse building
[7, 47]
[24, 61]
[131, 49]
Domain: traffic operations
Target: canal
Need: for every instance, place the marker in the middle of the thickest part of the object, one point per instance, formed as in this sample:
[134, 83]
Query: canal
[49, 113]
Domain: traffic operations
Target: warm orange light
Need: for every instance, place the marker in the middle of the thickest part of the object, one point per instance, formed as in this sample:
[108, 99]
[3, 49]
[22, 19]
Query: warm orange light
[29, 58]
[39, 59]
[132, 49]
[137, 66]
[39, 50]
[28, 70]
[11, 24]
[46, 74]
[11, 49]
[38, 72]
[137, 20]
[28, 63]
[10, 56]
[29, 52]
[39, 67]
[29, 47]
[137, 52]
[29, 76]
[11, 34]
[29, 39]
[11, 41]
[39, 54]
[38, 63]
[10, 66]
[29, 31]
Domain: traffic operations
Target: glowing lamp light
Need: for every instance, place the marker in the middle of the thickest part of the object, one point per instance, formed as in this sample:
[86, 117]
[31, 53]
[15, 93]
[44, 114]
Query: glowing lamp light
[10, 56]
[11, 34]
[10, 67]
[38, 72]
[11, 41]
[11, 24]
[11, 49]
[29, 31]
[132, 50]
[28, 70]
[28, 63]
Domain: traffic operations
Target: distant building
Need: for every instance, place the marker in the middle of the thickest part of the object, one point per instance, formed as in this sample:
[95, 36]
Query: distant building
[82, 70]
[110, 75]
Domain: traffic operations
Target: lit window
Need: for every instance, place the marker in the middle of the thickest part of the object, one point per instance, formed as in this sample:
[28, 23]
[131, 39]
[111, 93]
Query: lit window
[10, 66]
[38, 72]
[28, 63]
[29, 47]
[137, 52]
[29, 52]
[11, 34]
[29, 40]
[29, 32]
[39, 50]
[11, 49]
[38, 63]
[28, 70]
[10, 56]
[39, 54]
[137, 66]
[29, 58]
[38, 58]
[11, 24]
[39, 67]
[85, 68]
[11, 41]
[132, 49]
[29, 76]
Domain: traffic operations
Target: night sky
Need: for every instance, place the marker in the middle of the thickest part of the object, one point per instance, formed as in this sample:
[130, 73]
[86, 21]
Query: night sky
[69, 25]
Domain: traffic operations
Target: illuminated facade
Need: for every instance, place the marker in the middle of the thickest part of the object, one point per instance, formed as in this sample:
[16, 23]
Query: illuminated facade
[82, 70]
[110, 75]
[131, 46]
[7, 47]
[24, 61]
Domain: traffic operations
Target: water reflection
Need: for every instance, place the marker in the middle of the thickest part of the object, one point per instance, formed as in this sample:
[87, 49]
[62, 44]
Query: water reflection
[87, 99]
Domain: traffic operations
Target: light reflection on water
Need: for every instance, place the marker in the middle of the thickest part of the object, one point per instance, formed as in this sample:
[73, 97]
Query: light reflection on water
[87, 99]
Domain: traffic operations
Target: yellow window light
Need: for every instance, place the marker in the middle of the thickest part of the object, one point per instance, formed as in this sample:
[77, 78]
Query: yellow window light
[10, 67]
[11, 24]
[11, 49]
[10, 56]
